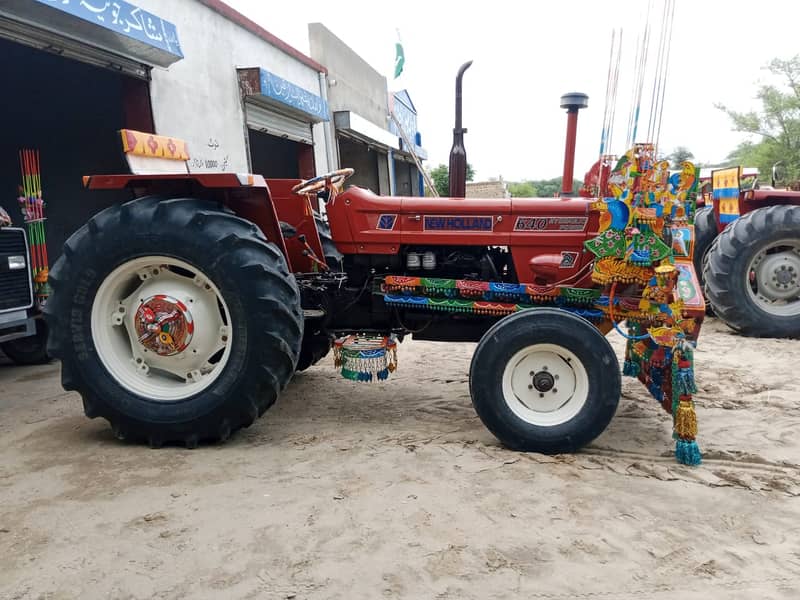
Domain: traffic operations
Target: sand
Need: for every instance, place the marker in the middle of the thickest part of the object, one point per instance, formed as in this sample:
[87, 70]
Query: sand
[396, 490]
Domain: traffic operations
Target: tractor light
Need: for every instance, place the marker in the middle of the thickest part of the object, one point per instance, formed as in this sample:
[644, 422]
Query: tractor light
[16, 262]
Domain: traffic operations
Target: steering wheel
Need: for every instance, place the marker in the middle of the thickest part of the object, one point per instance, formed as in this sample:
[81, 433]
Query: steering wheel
[320, 182]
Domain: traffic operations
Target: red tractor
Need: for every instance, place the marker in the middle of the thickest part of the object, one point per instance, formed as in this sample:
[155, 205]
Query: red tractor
[180, 315]
[748, 254]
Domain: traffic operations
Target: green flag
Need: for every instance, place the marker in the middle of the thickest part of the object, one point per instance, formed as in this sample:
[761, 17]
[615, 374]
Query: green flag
[399, 59]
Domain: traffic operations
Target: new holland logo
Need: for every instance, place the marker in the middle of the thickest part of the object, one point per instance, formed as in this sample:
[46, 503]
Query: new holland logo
[386, 222]
[458, 223]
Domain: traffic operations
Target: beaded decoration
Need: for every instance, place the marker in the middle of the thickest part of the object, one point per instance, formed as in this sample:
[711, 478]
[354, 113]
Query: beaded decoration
[365, 358]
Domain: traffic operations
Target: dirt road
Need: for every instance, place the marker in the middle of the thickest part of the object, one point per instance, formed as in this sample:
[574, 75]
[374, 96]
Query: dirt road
[396, 490]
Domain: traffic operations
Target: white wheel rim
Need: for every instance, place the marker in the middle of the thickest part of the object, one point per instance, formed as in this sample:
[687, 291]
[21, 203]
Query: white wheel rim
[187, 365]
[545, 385]
[773, 278]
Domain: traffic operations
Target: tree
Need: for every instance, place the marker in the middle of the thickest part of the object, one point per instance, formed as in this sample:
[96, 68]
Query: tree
[679, 155]
[777, 123]
[543, 188]
[441, 178]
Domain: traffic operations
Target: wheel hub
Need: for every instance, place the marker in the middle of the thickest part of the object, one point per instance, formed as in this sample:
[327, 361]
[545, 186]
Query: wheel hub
[164, 325]
[778, 276]
[543, 381]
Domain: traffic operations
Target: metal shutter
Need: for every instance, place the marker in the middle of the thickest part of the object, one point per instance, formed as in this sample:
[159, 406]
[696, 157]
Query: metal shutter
[272, 122]
[48, 41]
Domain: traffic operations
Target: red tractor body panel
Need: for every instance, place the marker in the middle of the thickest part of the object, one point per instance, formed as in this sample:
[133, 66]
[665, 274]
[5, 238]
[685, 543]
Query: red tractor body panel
[545, 235]
[250, 196]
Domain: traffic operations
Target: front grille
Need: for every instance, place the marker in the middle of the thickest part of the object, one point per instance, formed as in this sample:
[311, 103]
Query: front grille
[15, 286]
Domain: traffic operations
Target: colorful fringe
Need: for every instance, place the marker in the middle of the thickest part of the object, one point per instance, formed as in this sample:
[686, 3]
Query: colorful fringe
[487, 290]
[477, 307]
[366, 359]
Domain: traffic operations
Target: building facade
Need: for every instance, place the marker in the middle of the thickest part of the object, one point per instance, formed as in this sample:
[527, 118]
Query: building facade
[367, 119]
[195, 69]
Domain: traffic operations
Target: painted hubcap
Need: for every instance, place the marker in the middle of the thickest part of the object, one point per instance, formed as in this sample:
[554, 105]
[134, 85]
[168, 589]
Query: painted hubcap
[164, 325]
[161, 328]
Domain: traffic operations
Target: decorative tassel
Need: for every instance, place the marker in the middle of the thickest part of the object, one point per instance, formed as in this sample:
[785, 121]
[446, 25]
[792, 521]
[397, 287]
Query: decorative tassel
[686, 419]
[687, 452]
[684, 378]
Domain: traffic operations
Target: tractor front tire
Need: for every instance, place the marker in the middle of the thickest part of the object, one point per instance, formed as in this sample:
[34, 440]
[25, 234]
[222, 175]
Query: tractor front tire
[545, 380]
[175, 320]
[752, 273]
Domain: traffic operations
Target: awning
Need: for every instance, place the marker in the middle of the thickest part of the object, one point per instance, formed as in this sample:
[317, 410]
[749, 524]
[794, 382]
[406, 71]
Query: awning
[117, 26]
[260, 86]
[358, 127]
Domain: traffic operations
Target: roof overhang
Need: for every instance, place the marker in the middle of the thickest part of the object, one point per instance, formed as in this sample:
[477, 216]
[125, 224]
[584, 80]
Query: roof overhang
[357, 126]
[118, 27]
[264, 87]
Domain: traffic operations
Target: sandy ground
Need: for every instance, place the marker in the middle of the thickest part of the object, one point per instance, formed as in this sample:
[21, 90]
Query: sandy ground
[396, 490]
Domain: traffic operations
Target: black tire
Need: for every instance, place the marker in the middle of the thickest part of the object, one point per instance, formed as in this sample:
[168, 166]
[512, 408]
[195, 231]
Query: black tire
[333, 258]
[30, 350]
[250, 273]
[705, 230]
[545, 326]
[315, 347]
[726, 271]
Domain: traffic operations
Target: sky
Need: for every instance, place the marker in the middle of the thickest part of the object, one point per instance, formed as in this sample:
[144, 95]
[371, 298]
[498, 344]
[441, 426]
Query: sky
[527, 54]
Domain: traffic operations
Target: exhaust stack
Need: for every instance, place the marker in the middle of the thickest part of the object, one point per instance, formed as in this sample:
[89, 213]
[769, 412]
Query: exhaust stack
[573, 102]
[458, 154]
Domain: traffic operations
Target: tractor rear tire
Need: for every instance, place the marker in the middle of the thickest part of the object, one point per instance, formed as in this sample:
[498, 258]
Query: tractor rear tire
[242, 311]
[752, 273]
[30, 350]
[545, 380]
[705, 230]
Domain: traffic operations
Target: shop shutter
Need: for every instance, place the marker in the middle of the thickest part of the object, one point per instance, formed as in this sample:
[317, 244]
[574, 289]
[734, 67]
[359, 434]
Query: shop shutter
[274, 123]
[48, 41]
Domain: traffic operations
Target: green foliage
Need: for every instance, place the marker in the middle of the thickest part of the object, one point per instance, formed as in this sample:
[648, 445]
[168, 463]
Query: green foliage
[541, 188]
[777, 123]
[441, 178]
[679, 155]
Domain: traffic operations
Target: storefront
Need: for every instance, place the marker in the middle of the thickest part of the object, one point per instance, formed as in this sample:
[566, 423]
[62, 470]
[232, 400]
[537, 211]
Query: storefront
[280, 117]
[366, 148]
[80, 70]
[74, 73]
[406, 161]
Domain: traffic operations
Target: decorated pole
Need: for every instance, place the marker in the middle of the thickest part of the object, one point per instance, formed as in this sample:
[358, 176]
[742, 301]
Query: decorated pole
[32, 208]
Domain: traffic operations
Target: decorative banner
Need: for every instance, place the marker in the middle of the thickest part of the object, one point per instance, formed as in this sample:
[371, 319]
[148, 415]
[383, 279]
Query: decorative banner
[123, 18]
[725, 192]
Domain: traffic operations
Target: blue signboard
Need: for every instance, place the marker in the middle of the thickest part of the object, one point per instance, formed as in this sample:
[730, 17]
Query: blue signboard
[286, 92]
[123, 18]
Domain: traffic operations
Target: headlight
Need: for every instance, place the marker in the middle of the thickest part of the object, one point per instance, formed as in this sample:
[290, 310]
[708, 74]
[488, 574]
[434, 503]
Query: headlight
[16, 262]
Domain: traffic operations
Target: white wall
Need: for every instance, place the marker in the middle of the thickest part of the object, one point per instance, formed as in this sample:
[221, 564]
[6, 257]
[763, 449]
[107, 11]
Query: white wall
[197, 98]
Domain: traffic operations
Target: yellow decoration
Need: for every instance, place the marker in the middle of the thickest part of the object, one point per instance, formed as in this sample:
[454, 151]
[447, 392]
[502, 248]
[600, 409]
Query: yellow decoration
[686, 420]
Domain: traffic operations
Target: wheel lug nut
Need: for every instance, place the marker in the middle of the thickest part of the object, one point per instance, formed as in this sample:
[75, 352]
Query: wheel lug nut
[541, 395]
[555, 390]
[530, 386]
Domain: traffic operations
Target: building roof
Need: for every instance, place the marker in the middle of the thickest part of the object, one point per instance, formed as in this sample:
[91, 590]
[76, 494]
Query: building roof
[234, 15]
